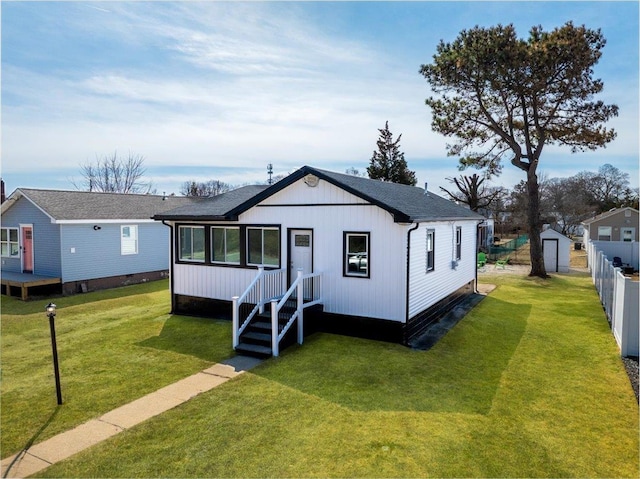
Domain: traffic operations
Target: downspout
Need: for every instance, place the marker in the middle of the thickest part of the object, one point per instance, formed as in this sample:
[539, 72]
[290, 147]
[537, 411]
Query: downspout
[406, 321]
[171, 262]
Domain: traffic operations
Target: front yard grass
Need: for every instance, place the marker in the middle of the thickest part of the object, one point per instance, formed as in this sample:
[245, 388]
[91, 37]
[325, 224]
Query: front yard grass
[529, 384]
[114, 346]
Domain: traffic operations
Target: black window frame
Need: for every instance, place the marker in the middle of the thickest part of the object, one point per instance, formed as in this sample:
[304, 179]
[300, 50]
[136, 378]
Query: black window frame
[345, 254]
[241, 242]
[430, 255]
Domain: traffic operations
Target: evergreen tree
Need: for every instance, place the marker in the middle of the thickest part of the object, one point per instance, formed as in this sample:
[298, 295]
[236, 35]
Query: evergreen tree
[388, 163]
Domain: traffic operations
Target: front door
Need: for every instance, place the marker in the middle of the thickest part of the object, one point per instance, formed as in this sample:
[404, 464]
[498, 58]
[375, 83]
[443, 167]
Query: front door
[301, 253]
[27, 249]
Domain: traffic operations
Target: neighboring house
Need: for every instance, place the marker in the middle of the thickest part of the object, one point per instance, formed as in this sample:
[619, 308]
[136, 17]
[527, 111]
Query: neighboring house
[615, 233]
[618, 224]
[387, 259]
[556, 249]
[83, 240]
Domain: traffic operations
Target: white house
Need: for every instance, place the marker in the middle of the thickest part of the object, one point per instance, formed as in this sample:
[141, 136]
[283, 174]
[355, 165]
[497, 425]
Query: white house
[380, 260]
[556, 249]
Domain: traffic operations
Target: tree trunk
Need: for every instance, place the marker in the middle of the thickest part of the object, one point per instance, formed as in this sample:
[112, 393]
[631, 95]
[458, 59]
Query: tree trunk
[533, 223]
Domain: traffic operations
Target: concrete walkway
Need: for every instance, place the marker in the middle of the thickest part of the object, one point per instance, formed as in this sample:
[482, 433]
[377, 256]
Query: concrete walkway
[66, 444]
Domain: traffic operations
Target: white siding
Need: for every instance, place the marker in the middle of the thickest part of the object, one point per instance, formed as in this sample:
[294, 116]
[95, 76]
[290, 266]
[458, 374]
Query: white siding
[428, 288]
[330, 211]
[211, 281]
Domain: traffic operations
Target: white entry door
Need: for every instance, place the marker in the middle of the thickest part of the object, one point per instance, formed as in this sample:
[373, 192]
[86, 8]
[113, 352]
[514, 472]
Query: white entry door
[301, 250]
[550, 255]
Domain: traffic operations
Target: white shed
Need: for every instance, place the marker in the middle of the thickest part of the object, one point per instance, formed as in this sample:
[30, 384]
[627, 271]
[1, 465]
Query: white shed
[556, 248]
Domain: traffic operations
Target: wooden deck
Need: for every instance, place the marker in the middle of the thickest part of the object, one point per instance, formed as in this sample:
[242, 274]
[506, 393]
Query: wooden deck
[24, 281]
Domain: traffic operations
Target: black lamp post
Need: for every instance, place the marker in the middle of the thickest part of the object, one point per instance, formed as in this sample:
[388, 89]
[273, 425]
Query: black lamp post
[51, 313]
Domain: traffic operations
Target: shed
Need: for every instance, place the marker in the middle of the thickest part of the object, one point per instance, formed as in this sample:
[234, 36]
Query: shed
[82, 240]
[556, 249]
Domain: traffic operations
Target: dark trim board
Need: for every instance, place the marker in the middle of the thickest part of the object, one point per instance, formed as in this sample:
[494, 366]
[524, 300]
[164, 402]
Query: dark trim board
[419, 323]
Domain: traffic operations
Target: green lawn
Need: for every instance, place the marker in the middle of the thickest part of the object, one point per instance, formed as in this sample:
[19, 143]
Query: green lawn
[529, 384]
[113, 346]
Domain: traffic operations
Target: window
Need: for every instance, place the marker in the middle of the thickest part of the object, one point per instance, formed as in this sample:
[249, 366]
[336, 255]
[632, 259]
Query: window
[356, 254]
[458, 243]
[191, 243]
[263, 246]
[9, 245]
[431, 238]
[225, 245]
[129, 239]
[627, 234]
[604, 233]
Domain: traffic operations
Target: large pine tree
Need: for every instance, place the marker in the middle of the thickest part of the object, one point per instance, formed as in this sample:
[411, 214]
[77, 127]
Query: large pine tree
[388, 163]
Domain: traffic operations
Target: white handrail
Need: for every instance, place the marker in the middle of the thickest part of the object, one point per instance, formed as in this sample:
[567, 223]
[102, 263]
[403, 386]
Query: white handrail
[257, 287]
[276, 306]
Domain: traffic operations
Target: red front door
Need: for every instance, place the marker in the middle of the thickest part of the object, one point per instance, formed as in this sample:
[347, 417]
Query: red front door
[27, 249]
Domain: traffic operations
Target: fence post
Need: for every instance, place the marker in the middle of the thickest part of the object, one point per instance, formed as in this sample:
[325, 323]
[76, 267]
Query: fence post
[235, 320]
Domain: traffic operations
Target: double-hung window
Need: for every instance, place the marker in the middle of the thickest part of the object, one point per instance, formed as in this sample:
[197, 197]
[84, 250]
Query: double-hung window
[9, 245]
[604, 233]
[191, 243]
[263, 246]
[225, 245]
[356, 254]
[458, 243]
[128, 239]
[431, 239]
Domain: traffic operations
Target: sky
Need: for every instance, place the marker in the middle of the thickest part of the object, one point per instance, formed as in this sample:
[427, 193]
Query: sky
[218, 90]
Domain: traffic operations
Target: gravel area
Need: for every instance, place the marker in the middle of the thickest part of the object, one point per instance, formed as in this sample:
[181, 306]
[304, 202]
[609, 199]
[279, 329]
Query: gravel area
[631, 365]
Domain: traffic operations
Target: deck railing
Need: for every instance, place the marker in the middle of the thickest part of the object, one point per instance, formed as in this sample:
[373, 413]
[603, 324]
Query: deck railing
[306, 291]
[265, 286]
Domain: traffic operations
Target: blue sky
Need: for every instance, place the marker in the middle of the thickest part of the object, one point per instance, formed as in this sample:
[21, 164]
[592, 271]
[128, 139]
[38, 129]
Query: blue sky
[217, 90]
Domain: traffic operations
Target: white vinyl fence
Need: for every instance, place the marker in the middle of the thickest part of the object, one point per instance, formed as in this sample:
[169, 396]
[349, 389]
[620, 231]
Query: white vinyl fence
[619, 295]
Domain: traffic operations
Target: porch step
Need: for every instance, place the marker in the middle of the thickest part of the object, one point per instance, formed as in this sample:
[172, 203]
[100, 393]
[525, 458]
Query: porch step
[259, 338]
[264, 326]
[255, 350]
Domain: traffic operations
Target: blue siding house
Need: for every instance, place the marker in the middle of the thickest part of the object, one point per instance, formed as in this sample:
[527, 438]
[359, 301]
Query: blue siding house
[87, 240]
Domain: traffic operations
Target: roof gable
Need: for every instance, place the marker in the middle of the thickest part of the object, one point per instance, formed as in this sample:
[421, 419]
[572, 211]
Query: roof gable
[608, 214]
[405, 203]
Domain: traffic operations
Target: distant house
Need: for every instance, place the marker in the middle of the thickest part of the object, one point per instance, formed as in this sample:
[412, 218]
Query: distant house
[83, 240]
[619, 224]
[382, 260]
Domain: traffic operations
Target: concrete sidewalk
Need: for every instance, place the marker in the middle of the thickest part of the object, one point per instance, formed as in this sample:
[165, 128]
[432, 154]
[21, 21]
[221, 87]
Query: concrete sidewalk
[66, 444]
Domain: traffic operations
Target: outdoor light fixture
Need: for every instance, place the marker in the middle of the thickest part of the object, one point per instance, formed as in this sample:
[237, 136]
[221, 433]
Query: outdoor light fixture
[51, 313]
[96, 228]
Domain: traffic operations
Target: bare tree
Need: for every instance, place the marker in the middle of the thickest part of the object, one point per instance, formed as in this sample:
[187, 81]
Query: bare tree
[204, 188]
[113, 174]
[473, 192]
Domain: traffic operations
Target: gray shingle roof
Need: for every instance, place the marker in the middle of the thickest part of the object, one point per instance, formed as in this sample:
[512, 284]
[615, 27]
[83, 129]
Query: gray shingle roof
[83, 205]
[406, 203]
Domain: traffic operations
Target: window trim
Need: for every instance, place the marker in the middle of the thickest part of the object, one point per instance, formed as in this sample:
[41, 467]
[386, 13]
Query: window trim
[179, 243]
[134, 240]
[211, 244]
[8, 242]
[430, 254]
[345, 254]
[458, 243]
[263, 229]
